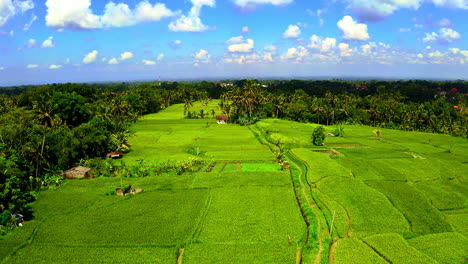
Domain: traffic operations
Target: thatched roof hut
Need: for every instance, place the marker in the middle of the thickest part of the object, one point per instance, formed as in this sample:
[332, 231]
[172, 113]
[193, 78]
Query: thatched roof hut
[222, 119]
[78, 172]
[115, 155]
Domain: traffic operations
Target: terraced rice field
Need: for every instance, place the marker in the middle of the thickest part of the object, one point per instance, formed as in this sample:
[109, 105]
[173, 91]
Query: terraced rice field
[401, 198]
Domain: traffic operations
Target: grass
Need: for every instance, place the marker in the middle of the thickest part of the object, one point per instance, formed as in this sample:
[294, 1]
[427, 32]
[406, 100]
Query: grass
[395, 248]
[128, 220]
[352, 250]
[369, 210]
[66, 254]
[445, 248]
[424, 218]
[252, 215]
[240, 253]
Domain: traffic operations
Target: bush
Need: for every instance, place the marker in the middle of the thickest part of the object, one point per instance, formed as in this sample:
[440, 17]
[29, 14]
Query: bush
[318, 136]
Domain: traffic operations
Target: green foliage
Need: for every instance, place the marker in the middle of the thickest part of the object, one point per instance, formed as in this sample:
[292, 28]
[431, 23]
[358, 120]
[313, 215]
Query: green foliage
[318, 136]
[339, 132]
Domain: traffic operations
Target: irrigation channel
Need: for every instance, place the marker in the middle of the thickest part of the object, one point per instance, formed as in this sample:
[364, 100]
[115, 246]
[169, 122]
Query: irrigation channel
[320, 234]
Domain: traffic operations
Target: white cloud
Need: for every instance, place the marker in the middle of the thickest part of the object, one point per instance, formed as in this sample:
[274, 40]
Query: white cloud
[177, 42]
[238, 44]
[71, 14]
[292, 32]
[463, 4]
[295, 53]
[126, 55]
[77, 14]
[268, 57]
[324, 45]
[192, 22]
[90, 57]
[27, 26]
[148, 62]
[445, 36]
[160, 57]
[48, 43]
[373, 10]
[55, 66]
[235, 40]
[270, 48]
[366, 49]
[345, 51]
[113, 61]
[353, 30]
[444, 22]
[32, 66]
[31, 43]
[9, 8]
[202, 56]
[404, 30]
[2, 68]
[245, 3]
[245, 30]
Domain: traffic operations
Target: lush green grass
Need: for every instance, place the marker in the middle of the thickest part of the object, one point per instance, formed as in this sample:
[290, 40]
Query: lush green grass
[369, 210]
[424, 218]
[394, 248]
[320, 164]
[252, 215]
[446, 248]
[65, 254]
[352, 250]
[234, 179]
[239, 253]
[459, 222]
[128, 220]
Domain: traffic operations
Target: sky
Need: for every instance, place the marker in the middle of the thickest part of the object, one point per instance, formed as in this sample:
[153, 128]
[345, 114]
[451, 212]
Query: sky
[51, 41]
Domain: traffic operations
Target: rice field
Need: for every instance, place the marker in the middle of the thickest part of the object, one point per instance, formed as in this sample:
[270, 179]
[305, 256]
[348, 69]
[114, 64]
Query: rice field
[401, 198]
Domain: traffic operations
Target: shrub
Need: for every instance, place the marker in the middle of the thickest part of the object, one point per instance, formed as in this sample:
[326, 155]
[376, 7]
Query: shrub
[318, 136]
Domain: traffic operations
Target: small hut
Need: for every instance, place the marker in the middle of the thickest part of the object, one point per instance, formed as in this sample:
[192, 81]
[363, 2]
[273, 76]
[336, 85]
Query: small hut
[115, 155]
[79, 172]
[221, 119]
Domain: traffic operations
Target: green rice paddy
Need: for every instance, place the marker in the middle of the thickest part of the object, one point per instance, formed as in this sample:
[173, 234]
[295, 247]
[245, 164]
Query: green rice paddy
[401, 198]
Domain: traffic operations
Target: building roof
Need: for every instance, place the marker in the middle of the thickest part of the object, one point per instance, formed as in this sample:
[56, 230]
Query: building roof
[79, 169]
[221, 117]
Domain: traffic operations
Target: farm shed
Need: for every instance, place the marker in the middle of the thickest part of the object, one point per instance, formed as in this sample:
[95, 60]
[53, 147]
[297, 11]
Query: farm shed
[221, 119]
[77, 173]
[115, 155]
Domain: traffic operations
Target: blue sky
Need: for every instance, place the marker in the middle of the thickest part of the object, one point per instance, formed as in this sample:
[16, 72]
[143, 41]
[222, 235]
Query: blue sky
[99, 40]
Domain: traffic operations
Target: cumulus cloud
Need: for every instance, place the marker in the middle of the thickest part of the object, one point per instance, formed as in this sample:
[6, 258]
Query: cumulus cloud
[268, 57]
[202, 56]
[31, 43]
[78, 15]
[323, 45]
[295, 53]
[90, 57]
[48, 43]
[32, 66]
[353, 30]
[245, 30]
[192, 22]
[245, 3]
[55, 66]
[445, 36]
[113, 61]
[292, 32]
[126, 55]
[345, 51]
[238, 44]
[9, 9]
[148, 62]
